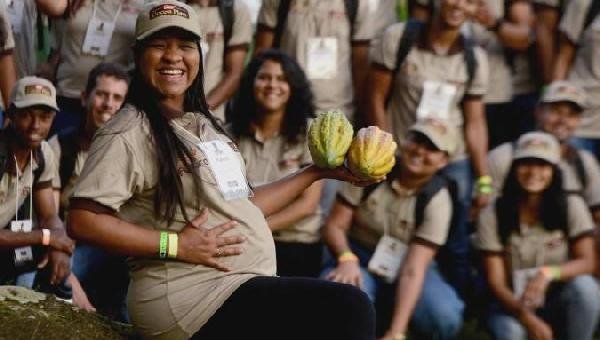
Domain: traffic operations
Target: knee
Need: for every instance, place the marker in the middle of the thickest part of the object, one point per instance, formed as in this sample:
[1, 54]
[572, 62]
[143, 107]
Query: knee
[584, 289]
[443, 320]
[507, 328]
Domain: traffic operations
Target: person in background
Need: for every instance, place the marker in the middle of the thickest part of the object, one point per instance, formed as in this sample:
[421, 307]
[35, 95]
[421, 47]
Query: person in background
[227, 30]
[442, 75]
[93, 31]
[103, 96]
[577, 61]
[7, 63]
[26, 174]
[174, 186]
[270, 124]
[381, 247]
[538, 251]
[547, 17]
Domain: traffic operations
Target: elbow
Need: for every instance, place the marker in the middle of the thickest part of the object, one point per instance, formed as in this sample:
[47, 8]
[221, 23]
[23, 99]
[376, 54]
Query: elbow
[75, 224]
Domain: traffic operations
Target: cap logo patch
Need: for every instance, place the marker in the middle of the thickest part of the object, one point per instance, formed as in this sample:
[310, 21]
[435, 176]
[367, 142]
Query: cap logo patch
[436, 125]
[538, 144]
[168, 9]
[38, 89]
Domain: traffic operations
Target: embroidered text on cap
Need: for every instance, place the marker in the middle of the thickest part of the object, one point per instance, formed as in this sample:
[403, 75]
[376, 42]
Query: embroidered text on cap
[38, 89]
[168, 9]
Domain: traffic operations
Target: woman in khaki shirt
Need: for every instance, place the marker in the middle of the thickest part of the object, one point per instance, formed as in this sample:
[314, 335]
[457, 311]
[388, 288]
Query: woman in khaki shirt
[270, 121]
[165, 185]
[538, 251]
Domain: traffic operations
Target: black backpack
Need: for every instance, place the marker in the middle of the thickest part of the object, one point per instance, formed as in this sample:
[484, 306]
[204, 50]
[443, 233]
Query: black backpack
[412, 31]
[69, 147]
[284, 8]
[227, 18]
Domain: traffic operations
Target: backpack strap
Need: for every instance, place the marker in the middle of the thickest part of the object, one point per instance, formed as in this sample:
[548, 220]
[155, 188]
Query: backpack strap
[470, 61]
[411, 32]
[4, 154]
[574, 158]
[69, 147]
[437, 183]
[227, 17]
[592, 12]
[282, 13]
[351, 12]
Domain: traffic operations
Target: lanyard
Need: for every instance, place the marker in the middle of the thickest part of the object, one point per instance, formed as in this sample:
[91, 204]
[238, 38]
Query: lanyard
[31, 187]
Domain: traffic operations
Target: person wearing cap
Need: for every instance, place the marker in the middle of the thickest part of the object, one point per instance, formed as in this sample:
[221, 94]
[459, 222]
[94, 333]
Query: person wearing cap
[92, 31]
[559, 113]
[537, 250]
[26, 174]
[367, 224]
[7, 63]
[164, 185]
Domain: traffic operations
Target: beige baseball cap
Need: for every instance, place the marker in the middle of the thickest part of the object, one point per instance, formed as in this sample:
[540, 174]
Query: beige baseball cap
[158, 15]
[564, 91]
[439, 133]
[32, 91]
[538, 145]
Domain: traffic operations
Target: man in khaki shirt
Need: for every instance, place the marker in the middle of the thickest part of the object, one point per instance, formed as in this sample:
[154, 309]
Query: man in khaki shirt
[26, 164]
[7, 62]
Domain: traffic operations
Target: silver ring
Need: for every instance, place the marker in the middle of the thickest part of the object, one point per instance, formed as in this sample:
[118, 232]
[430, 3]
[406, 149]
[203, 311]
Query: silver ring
[218, 253]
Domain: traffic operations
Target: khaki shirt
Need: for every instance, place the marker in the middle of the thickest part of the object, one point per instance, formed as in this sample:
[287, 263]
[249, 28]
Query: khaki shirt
[75, 65]
[66, 189]
[26, 41]
[171, 299]
[421, 65]
[212, 30]
[532, 247]
[323, 18]
[8, 185]
[500, 159]
[585, 70]
[391, 207]
[500, 87]
[272, 159]
[9, 44]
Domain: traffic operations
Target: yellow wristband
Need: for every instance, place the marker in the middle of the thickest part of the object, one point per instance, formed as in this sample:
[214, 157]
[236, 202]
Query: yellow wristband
[399, 336]
[551, 273]
[173, 245]
[484, 180]
[347, 256]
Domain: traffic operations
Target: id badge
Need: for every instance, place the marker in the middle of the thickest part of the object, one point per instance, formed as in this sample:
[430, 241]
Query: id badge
[98, 37]
[436, 100]
[22, 254]
[321, 58]
[15, 11]
[388, 257]
[520, 278]
[225, 166]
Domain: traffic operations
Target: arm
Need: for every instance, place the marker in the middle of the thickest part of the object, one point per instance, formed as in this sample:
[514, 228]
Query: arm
[477, 143]
[52, 8]
[514, 33]
[233, 68]
[410, 284]
[265, 37]
[546, 24]
[8, 76]
[360, 64]
[379, 85]
[305, 205]
[564, 59]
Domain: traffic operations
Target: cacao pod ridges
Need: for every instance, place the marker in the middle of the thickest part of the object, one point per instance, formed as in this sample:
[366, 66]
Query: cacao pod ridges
[372, 153]
[329, 137]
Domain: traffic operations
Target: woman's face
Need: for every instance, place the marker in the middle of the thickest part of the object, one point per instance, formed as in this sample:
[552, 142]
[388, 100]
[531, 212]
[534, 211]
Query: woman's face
[534, 175]
[169, 63]
[454, 13]
[271, 89]
[420, 157]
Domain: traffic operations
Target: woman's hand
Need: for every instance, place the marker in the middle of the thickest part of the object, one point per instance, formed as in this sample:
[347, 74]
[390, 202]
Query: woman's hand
[342, 173]
[199, 245]
[80, 298]
[60, 263]
[537, 328]
[535, 292]
[346, 272]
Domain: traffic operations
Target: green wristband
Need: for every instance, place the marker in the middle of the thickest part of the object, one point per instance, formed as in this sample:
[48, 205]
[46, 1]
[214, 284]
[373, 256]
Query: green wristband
[485, 189]
[163, 244]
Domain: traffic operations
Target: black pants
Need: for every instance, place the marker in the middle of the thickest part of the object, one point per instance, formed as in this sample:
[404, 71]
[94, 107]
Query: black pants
[292, 308]
[299, 259]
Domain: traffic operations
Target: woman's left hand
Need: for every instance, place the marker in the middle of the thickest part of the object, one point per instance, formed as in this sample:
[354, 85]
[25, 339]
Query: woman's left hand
[342, 173]
[535, 292]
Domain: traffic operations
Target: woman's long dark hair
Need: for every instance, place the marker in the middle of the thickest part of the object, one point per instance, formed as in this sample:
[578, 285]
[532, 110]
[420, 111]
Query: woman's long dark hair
[169, 148]
[299, 108]
[552, 210]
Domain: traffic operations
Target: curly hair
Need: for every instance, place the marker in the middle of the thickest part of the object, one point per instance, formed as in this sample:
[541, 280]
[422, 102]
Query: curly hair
[298, 110]
[552, 210]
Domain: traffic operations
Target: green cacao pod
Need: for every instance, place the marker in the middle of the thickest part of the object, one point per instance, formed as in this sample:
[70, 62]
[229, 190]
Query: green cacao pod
[371, 155]
[329, 137]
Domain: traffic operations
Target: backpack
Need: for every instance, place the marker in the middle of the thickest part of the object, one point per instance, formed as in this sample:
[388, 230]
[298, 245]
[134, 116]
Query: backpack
[593, 11]
[37, 173]
[69, 147]
[227, 18]
[284, 8]
[412, 31]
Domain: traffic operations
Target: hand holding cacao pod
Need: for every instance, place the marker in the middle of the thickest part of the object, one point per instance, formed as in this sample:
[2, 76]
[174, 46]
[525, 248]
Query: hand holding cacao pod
[329, 138]
[372, 153]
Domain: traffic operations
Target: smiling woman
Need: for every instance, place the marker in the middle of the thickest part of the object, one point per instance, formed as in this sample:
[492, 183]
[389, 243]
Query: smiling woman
[173, 196]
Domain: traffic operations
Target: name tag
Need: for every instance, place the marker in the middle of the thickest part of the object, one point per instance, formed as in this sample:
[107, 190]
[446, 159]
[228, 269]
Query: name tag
[98, 37]
[388, 257]
[520, 278]
[321, 58]
[436, 100]
[226, 168]
[22, 254]
[15, 11]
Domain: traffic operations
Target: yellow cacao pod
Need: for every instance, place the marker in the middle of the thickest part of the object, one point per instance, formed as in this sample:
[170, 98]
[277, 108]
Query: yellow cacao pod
[372, 153]
[329, 137]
